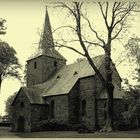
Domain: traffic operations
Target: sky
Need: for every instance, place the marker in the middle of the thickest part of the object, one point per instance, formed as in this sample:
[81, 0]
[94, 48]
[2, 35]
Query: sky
[24, 23]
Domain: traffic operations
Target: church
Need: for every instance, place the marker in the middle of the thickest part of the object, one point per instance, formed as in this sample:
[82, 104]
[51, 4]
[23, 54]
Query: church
[67, 95]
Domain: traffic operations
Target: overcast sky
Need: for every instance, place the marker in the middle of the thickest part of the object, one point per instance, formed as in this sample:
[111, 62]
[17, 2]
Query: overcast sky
[25, 19]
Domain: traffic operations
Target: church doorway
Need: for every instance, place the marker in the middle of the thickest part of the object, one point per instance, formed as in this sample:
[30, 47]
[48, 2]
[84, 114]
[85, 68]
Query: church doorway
[21, 124]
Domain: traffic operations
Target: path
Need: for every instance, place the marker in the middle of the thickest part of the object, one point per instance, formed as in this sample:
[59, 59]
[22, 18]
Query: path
[6, 133]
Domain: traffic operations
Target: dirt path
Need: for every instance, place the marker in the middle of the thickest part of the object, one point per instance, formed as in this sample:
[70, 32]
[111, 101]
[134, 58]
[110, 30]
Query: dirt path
[6, 133]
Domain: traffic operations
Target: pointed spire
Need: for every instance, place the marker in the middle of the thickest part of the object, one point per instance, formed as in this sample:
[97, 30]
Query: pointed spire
[46, 38]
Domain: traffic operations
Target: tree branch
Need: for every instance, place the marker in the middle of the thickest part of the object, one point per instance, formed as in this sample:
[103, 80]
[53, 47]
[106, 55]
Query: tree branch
[93, 43]
[104, 14]
[95, 32]
[116, 35]
[113, 14]
[63, 5]
[64, 27]
[126, 12]
[68, 47]
[84, 47]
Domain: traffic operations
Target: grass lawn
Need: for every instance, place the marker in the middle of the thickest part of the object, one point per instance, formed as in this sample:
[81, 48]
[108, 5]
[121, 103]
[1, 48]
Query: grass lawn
[6, 133]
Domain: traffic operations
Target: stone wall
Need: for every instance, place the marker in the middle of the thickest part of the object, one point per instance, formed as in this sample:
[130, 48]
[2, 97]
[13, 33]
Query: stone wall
[34, 75]
[21, 108]
[87, 91]
[38, 113]
[60, 108]
[73, 104]
[45, 66]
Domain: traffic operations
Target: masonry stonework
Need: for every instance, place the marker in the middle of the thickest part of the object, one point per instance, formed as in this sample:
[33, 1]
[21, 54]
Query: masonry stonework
[22, 108]
[38, 113]
[60, 108]
[41, 68]
[87, 93]
[74, 105]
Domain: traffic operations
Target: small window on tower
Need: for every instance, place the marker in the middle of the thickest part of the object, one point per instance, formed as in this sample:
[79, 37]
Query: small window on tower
[35, 65]
[55, 63]
[22, 105]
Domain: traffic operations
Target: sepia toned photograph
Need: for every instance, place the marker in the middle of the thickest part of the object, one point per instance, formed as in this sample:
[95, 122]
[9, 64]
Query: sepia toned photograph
[69, 69]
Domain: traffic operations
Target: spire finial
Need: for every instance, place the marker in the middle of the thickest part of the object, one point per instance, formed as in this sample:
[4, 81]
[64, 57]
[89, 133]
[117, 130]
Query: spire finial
[47, 38]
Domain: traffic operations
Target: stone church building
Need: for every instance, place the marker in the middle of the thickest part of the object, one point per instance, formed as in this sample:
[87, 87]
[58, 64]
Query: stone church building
[67, 94]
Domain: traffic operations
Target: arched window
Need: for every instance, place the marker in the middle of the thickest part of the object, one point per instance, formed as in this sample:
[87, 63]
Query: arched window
[84, 113]
[52, 109]
[105, 108]
[35, 65]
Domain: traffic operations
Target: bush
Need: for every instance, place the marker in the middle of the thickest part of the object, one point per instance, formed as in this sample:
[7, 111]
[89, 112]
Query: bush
[5, 124]
[82, 128]
[51, 125]
[122, 125]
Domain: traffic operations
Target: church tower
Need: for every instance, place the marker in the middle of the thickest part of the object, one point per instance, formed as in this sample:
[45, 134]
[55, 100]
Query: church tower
[47, 60]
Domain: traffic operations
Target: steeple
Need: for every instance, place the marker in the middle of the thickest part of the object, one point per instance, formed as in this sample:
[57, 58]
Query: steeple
[47, 60]
[46, 41]
[46, 45]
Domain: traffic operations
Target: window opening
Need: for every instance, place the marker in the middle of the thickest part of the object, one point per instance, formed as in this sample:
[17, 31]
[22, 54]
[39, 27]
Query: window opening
[84, 108]
[55, 64]
[22, 105]
[52, 109]
[35, 65]
[75, 72]
[105, 108]
[58, 77]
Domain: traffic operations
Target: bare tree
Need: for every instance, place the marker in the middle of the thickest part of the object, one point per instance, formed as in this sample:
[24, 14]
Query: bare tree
[115, 16]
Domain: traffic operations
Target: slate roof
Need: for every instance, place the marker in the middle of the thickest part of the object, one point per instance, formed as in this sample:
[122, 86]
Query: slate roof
[33, 95]
[62, 81]
[51, 52]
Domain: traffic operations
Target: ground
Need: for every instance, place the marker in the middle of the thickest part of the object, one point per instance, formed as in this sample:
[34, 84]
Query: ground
[6, 133]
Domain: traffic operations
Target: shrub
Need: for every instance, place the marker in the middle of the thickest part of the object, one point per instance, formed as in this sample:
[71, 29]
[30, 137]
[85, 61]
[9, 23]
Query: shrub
[51, 125]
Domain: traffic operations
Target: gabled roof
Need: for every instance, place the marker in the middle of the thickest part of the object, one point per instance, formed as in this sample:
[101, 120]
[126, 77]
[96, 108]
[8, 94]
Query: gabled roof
[51, 52]
[117, 94]
[62, 81]
[32, 94]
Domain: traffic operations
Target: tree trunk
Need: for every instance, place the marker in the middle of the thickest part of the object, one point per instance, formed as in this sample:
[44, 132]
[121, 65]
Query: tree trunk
[107, 83]
[110, 108]
[109, 88]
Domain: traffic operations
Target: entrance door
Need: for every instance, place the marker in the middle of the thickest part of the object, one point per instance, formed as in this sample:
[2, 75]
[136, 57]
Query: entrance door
[21, 123]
